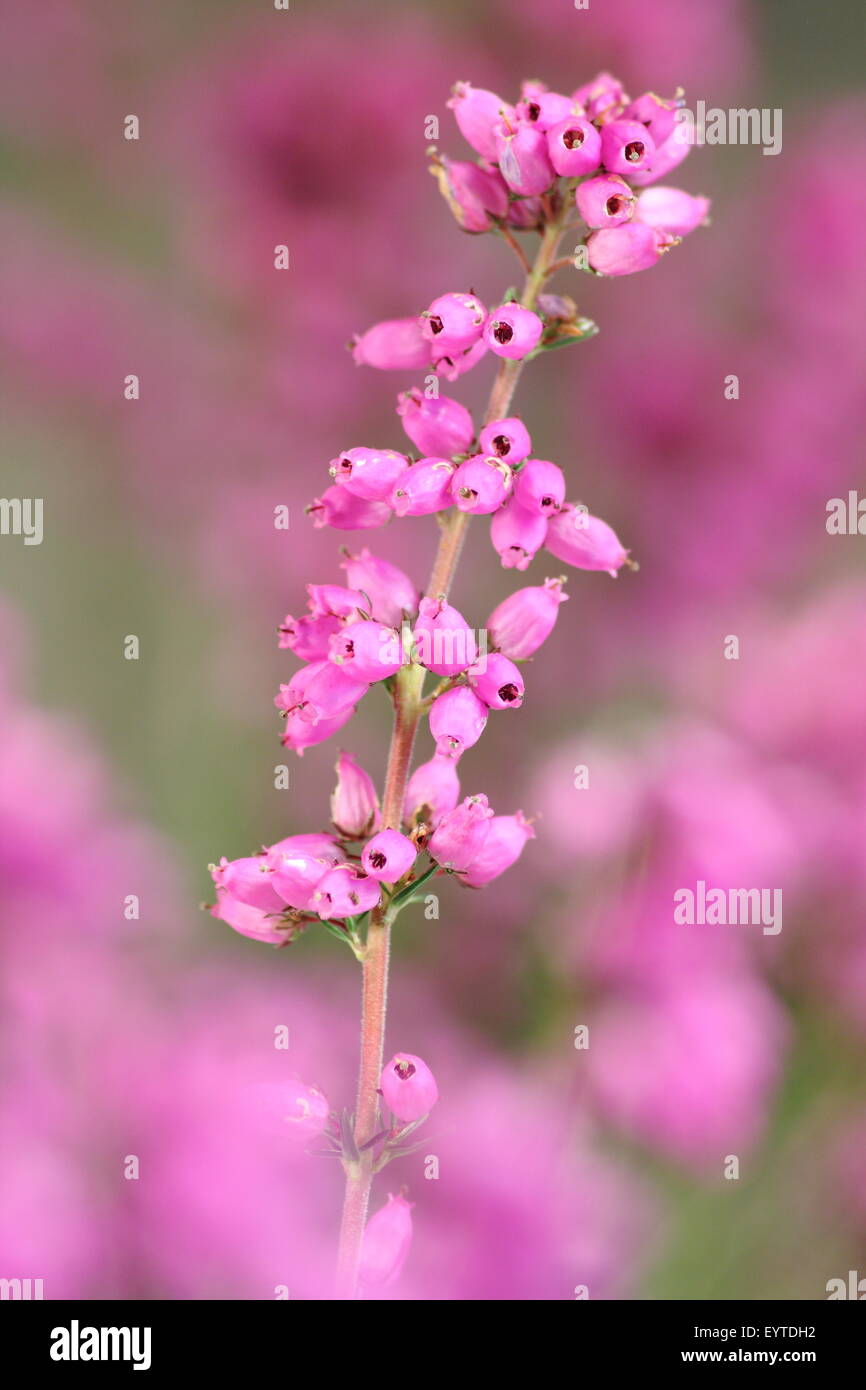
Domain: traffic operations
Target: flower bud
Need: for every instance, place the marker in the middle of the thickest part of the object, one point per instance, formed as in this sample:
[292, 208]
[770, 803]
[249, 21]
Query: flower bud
[540, 487]
[341, 509]
[522, 622]
[624, 250]
[453, 323]
[387, 1238]
[424, 488]
[344, 892]
[368, 473]
[477, 113]
[517, 534]
[574, 147]
[503, 846]
[249, 881]
[499, 684]
[475, 195]
[523, 159]
[433, 790]
[389, 589]
[408, 1087]
[388, 856]
[585, 541]
[459, 836]
[506, 439]
[671, 210]
[248, 921]
[606, 201]
[395, 345]
[481, 484]
[319, 691]
[543, 109]
[457, 719]
[444, 641]
[368, 650]
[512, 331]
[626, 147]
[438, 427]
[354, 803]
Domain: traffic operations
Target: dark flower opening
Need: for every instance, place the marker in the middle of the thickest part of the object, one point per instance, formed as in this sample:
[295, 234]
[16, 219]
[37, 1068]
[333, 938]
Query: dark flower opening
[634, 151]
[436, 324]
[614, 205]
[533, 110]
[502, 445]
[377, 859]
[404, 1069]
[503, 332]
[573, 139]
[509, 692]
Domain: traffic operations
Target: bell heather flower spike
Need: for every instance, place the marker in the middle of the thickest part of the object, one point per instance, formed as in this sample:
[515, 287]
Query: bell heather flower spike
[535, 164]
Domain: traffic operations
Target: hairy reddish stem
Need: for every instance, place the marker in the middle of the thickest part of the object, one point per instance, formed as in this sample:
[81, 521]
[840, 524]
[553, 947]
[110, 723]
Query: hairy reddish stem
[407, 713]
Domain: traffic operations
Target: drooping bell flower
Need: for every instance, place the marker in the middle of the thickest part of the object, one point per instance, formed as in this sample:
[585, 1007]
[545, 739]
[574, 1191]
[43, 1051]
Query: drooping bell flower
[605, 201]
[671, 210]
[344, 512]
[452, 324]
[498, 682]
[522, 622]
[444, 641]
[438, 426]
[459, 836]
[478, 112]
[475, 195]
[367, 650]
[512, 331]
[424, 488]
[249, 881]
[395, 345]
[539, 487]
[408, 1087]
[574, 146]
[517, 534]
[506, 439]
[626, 249]
[585, 541]
[457, 720]
[432, 791]
[368, 473]
[503, 846]
[345, 892]
[388, 856]
[481, 484]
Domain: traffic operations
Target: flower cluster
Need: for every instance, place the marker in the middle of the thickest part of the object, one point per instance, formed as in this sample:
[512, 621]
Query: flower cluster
[540, 160]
